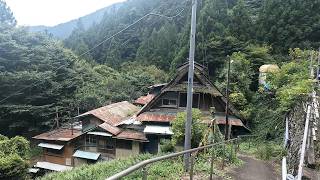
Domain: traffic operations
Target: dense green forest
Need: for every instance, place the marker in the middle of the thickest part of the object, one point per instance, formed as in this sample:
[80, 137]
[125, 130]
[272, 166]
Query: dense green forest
[39, 74]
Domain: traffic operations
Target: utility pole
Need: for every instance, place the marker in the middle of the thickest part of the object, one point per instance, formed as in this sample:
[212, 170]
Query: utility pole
[187, 139]
[227, 133]
[57, 118]
[318, 70]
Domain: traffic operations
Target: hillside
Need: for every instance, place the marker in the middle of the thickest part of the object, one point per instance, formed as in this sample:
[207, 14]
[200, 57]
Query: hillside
[63, 30]
[154, 46]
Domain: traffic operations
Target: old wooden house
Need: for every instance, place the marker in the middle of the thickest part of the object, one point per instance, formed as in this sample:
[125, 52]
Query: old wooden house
[58, 147]
[157, 114]
[103, 134]
[99, 137]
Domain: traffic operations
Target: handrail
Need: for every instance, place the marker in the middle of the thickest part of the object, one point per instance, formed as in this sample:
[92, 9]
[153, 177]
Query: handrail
[143, 164]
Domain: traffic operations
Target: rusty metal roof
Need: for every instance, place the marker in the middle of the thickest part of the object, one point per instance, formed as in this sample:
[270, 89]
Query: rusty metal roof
[112, 129]
[158, 116]
[113, 113]
[132, 135]
[144, 99]
[61, 134]
[234, 121]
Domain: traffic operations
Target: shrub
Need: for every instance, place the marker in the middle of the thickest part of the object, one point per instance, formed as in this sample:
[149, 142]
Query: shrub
[197, 128]
[166, 145]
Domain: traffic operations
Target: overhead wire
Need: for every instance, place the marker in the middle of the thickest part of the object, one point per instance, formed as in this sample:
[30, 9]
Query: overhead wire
[97, 45]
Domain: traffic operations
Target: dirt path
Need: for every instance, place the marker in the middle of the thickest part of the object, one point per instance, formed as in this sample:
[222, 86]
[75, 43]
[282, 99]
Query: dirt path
[254, 169]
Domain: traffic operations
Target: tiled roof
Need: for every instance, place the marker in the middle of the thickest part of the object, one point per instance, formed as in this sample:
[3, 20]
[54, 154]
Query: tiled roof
[156, 116]
[59, 135]
[132, 135]
[113, 113]
[144, 99]
[112, 129]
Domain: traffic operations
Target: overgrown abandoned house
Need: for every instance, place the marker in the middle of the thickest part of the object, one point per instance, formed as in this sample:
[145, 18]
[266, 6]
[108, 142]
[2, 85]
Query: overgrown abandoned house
[122, 129]
[171, 98]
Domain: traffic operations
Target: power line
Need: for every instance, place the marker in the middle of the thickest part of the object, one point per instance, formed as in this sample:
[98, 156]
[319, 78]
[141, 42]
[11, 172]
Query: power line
[97, 45]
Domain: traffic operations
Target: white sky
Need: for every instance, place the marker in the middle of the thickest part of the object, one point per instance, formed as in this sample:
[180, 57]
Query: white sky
[53, 12]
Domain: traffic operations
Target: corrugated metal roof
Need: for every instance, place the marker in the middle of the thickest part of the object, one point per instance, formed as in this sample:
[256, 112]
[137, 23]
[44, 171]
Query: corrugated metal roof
[132, 135]
[151, 129]
[59, 135]
[113, 113]
[234, 121]
[100, 134]
[112, 129]
[144, 99]
[86, 155]
[52, 166]
[156, 116]
[51, 146]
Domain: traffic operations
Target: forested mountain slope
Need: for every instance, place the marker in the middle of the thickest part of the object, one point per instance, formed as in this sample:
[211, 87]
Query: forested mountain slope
[223, 27]
[63, 30]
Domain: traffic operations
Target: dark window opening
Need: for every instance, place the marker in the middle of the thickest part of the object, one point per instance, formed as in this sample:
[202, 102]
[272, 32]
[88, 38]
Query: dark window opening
[169, 102]
[54, 151]
[183, 100]
[91, 140]
[123, 144]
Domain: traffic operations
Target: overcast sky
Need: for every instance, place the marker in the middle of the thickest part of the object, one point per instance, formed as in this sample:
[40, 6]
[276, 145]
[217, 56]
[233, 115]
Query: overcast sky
[53, 12]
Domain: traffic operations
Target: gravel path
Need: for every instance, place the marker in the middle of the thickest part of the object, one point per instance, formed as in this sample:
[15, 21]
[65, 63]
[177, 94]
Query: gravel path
[254, 169]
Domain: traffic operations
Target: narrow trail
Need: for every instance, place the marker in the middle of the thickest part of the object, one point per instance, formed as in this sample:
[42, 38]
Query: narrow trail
[254, 169]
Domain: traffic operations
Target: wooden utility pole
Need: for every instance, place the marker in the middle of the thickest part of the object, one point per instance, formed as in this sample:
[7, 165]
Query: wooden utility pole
[227, 129]
[187, 139]
[57, 117]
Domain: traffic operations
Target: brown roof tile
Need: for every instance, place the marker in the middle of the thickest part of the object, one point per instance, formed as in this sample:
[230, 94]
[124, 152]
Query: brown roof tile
[144, 99]
[112, 129]
[113, 113]
[132, 135]
[156, 117]
[59, 135]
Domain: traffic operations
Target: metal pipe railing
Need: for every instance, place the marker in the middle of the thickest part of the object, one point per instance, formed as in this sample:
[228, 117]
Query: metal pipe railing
[144, 163]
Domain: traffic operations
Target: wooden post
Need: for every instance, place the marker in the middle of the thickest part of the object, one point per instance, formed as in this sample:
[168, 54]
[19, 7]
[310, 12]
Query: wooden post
[191, 166]
[144, 173]
[211, 165]
[57, 117]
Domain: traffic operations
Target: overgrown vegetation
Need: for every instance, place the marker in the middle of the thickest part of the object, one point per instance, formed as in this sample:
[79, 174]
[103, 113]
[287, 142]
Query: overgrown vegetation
[197, 128]
[14, 154]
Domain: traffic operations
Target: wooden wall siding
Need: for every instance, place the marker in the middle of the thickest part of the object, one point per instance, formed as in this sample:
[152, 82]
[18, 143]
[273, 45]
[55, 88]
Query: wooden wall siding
[65, 156]
[122, 153]
[203, 101]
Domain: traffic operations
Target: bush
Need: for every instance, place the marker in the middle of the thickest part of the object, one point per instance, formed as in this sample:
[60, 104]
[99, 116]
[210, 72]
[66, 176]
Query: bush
[166, 145]
[13, 155]
[197, 128]
[13, 167]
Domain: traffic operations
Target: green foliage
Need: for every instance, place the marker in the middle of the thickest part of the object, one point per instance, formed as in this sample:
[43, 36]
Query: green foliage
[14, 153]
[166, 145]
[292, 82]
[289, 25]
[262, 149]
[12, 166]
[168, 169]
[197, 128]
[6, 16]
